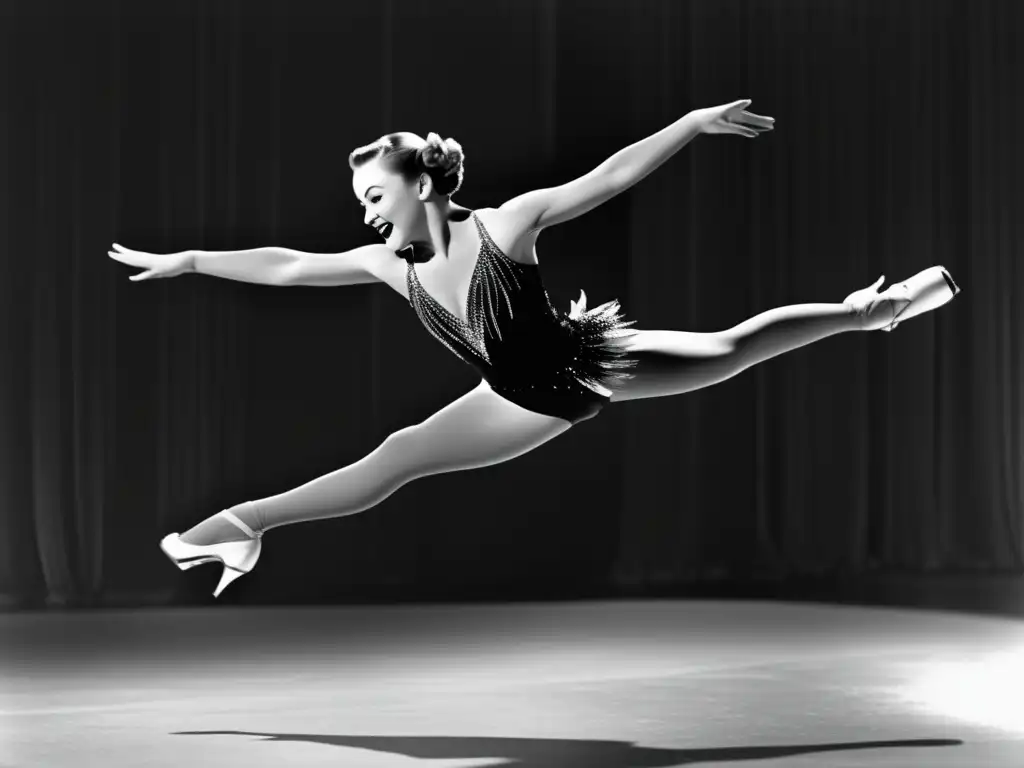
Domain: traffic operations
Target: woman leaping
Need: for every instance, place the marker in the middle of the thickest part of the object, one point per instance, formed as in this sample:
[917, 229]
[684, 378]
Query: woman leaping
[473, 279]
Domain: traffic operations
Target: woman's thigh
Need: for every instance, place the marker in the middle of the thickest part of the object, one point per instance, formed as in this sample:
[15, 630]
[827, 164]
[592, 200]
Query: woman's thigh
[476, 430]
[674, 362]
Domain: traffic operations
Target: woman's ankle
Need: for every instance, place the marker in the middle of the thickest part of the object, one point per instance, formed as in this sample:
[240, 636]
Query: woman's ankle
[218, 528]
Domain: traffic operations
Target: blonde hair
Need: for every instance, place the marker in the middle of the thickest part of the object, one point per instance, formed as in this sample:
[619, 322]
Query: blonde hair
[410, 155]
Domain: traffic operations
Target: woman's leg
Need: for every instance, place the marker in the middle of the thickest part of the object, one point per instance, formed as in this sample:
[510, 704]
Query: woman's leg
[673, 362]
[479, 429]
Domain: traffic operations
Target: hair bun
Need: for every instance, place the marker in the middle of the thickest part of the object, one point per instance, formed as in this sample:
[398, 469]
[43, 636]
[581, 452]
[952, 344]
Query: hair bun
[442, 153]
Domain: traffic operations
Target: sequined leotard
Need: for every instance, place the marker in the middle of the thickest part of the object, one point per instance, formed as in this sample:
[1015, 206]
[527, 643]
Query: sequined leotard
[559, 365]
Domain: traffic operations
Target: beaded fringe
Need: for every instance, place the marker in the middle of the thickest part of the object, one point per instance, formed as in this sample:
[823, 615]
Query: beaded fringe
[596, 338]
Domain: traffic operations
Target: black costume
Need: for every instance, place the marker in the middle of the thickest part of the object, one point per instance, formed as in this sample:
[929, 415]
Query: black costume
[559, 365]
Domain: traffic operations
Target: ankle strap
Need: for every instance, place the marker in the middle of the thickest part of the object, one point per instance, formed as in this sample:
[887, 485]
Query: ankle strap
[234, 519]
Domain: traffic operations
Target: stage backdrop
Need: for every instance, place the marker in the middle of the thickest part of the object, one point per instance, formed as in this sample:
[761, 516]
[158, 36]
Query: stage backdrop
[129, 410]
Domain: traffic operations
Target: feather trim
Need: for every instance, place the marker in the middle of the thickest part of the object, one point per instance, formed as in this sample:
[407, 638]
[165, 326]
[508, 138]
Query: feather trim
[600, 356]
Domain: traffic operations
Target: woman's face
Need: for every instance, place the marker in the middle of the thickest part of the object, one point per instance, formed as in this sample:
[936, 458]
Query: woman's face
[392, 205]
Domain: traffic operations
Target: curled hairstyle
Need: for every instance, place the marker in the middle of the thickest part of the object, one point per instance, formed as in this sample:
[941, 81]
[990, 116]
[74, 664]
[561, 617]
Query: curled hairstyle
[410, 155]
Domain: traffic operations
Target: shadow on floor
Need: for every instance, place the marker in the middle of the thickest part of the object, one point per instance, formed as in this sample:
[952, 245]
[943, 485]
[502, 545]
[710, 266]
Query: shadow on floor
[569, 753]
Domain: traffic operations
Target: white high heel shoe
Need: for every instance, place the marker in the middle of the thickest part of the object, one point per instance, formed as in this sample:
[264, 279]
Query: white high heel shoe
[237, 557]
[921, 293]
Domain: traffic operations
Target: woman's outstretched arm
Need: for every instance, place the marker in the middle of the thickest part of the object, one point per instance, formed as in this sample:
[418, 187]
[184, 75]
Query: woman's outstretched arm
[637, 160]
[546, 207]
[270, 265]
[374, 263]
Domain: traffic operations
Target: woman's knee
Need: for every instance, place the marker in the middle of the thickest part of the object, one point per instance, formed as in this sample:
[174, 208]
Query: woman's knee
[736, 348]
[405, 456]
[722, 353]
[391, 461]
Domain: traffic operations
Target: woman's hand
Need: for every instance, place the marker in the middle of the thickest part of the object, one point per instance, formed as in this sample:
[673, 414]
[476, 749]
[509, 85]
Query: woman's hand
[155, 264]
[733, 118]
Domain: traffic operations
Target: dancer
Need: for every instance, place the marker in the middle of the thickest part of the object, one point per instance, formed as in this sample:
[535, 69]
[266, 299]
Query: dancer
[473, 279]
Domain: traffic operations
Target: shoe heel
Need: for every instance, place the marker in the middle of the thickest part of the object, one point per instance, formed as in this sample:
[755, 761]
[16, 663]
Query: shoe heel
[228, 575]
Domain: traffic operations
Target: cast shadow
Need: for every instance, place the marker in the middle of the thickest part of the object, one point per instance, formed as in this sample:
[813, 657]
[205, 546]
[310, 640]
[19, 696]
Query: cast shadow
[569, 753]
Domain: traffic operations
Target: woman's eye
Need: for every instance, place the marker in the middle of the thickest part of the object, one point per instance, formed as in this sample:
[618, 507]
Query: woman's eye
[375, 200]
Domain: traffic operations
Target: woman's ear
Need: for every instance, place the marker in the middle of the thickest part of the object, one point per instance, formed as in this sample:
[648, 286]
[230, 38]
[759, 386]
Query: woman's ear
[426, 186]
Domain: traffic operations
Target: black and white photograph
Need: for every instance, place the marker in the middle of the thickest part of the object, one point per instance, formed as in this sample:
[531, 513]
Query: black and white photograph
[534, 383]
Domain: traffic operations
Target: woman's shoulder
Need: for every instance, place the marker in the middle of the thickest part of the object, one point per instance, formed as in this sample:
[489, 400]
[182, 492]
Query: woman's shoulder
[505, 232]
[390, 267]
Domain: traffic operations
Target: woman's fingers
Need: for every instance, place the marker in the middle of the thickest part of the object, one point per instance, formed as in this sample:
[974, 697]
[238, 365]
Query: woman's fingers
[737, 112]
[134, 259]
[131, 260]
[759, 121]
[750, 131]
[125, 258]
[740, 128]
[128, 252]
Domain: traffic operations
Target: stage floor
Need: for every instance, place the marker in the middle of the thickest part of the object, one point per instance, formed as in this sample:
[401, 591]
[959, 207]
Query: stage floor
[535, 685]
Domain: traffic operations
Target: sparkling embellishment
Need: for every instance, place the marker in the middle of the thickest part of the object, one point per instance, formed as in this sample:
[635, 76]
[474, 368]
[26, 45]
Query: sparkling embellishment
[497, 288]
[494, 272]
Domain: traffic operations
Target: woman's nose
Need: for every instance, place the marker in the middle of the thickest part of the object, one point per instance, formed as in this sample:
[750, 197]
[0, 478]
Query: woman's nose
[368, 217]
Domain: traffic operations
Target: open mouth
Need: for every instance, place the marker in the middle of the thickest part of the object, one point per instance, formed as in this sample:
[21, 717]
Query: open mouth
[385, 229]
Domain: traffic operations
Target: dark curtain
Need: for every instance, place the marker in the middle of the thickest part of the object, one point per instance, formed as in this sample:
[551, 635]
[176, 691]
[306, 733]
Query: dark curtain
[129, 410]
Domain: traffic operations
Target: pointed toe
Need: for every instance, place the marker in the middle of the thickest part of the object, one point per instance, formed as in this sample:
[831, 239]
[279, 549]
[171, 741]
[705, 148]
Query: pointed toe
[949, 281]
[924, 292]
